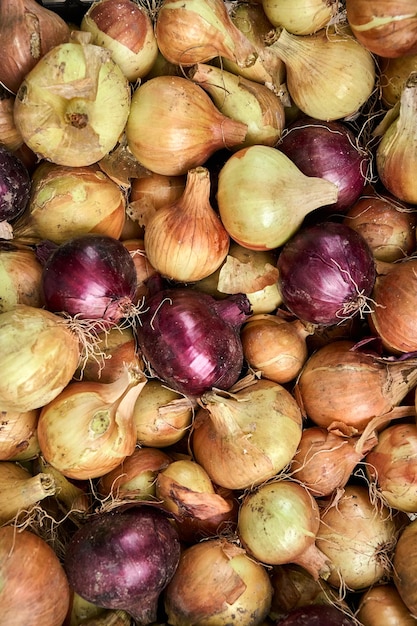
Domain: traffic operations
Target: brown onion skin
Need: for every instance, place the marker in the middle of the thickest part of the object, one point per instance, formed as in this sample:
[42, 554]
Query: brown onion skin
[382, 604]
[34, 588]
[405, 567]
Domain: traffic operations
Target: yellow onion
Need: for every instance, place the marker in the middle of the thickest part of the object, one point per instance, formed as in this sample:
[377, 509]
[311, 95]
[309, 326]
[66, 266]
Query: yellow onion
[393, 75]
[404, 567]
[135, 477]
[10, 137]
[174, 126]
[161, 415]
[325, 460]
[17, 432]
[396, 154]
[330, 75]
[300, 17]
[275, 346]
[28, 31]
[244, 100]
[391, 467]
[387, 224]
[186, 241]
[20, 277]
[216, 583]
[358, 537]
[244, 438]
[21, 491]
[88, 429]
[196, 31]
[278, 523]
[394, 313]
[67, 202]
[382, 604]
[34, 588]
[151, 192]
[39, 356]
[72, 107]
[387, 28]
[263, 197]
[343, 387]
[125, 28]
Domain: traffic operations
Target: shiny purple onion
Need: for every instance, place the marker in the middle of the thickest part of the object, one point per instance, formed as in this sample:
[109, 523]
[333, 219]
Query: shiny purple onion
[123, 560]
[192, 341]
[15, 184]
[328, 150]
[326, 273]
[91, 276]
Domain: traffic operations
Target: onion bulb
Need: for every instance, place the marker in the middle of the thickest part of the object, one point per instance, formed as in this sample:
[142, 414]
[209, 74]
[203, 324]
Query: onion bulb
[17, 432]
[278, 523]
[216, 583]
[39, 356]
[247, 437]
[20, 277]
[34, 588]
[404, 567]
[382, 604]
[300, 17]
[72, 107]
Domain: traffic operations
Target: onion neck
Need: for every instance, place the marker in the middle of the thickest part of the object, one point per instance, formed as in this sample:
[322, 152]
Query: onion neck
[235, 309]
[315, 562]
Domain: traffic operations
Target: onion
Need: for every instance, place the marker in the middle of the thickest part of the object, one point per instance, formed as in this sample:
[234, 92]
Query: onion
[248, 437]
[20, 277]
[301, 17]
[278, 523]
[328, 150]
[217, 584]
[125, 28]
[65, 115]
[28, 31]
[344, 386]
[317, 615]
[15, 186]
[387, 224]
[385, 27]
[67, 202]
[17, 432]
[39, 355]
[92, 277]
[34, 587]
[382, 604]
[393, 75]
[263, 197]
[21, 491]
[404, 567]
[191, 341]
[124, 560]
[326, 273]
[358, 537]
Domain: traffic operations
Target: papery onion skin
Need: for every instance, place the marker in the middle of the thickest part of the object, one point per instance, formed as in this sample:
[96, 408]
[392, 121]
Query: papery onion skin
[38, 357]
[404, 567]
[190, 341]
[328, 150]
[124, 559]
[34, 588]
[15, 184]
[326, 272]
[65, 118]
[92, 276]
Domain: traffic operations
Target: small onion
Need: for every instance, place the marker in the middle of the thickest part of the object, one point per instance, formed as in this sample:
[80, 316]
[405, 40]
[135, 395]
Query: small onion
[20, 277]
[326, 273]
[18, 430]
[405, 567]
[301, 17]
[124, 560]
[382, 604]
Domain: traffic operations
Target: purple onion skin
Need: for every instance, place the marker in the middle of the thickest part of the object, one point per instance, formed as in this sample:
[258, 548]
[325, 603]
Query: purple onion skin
[328, 150]
[91, 276]
[322, 270]
[123, 560]
[192, 341]
[15, 184]
[316, 615]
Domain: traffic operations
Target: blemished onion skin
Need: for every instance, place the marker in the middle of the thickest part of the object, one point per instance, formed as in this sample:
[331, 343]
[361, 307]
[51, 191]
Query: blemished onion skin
[326, 272]
[34, 588]
[15, 185]
[191, 341]
[124, 559]
[92, 276]
[316, 615]
[328, 150]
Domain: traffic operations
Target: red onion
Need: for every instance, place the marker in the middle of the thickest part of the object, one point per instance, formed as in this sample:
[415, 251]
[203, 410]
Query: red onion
[91, 276]
[326, 273]
[191, 340]
[316, 615]
[15, 185]
[124, 559]
[328, 150]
